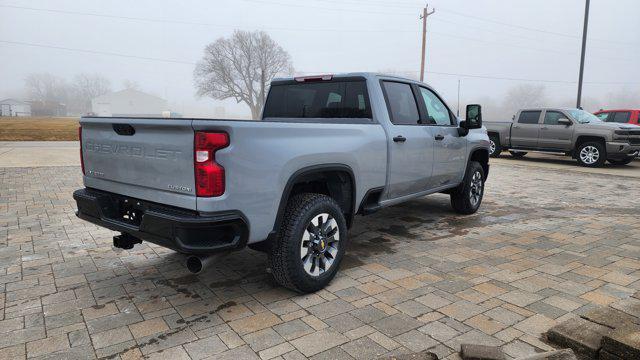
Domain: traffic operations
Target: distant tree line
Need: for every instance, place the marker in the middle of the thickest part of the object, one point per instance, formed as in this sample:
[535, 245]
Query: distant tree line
[536, 95]
[53, 95]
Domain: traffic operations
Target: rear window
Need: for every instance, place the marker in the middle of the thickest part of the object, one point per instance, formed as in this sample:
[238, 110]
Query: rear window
[529, 117]
[334, 99]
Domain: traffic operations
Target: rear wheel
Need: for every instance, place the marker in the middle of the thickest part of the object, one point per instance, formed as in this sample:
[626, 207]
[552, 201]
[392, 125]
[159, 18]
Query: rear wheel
[626, 161]
[494, 146]
[591, 154]
[309, 247]
[467, 197]
[518, 154]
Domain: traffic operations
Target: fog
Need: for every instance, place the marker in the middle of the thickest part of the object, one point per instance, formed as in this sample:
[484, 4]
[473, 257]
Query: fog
[498, 50]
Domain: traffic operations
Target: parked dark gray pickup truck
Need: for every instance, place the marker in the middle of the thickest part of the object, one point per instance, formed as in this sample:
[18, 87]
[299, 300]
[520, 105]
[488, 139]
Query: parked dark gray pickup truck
[327, 148]
[571, 132]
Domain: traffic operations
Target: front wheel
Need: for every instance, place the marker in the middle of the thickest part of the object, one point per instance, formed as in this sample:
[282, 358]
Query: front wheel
[467, 197]
[626, 161]
[310, 244]
[591, 154]
[494, 146]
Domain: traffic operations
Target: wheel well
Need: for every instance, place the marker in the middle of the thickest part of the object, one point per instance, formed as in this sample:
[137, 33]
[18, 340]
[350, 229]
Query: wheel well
[336, 182]
[493, 134]
[586, 138]
[481, 156]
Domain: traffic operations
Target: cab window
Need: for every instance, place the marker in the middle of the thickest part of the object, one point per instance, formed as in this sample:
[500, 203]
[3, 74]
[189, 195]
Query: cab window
[402, 103]
[529, 117]
[621, 117]
[437, 112]
[551, 117]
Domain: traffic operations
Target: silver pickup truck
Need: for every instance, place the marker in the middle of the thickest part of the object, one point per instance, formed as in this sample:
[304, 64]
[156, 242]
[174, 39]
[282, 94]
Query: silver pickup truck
[571, 132]
[327, 148]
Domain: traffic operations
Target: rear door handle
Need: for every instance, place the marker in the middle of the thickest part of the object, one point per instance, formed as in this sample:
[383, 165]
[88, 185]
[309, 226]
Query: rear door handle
[399, 138]
[439, 137]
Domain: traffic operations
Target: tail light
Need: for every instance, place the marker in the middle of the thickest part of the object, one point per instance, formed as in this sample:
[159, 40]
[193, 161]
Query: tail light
[209, 174]
[81, 157]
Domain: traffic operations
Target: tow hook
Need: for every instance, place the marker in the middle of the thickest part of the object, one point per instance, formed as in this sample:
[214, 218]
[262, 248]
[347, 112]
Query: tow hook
[125, 241]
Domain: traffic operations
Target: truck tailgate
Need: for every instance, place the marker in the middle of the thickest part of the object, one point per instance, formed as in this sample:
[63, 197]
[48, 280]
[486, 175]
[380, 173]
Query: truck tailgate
[149, 159]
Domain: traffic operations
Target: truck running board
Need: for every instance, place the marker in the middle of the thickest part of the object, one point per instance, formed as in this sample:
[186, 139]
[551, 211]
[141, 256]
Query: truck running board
[552, 152]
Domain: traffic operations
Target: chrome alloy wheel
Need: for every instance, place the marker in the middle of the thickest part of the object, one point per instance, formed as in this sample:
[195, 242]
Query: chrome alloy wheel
[589, 154]
[319, 244]
[476, 188]
[492, 147]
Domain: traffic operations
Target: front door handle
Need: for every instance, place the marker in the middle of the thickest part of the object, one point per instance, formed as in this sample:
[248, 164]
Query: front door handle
[399, 138]
[439, 137]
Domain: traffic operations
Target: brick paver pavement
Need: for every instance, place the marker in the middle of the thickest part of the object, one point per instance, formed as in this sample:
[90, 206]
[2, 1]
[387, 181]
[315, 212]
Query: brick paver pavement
[546, 245]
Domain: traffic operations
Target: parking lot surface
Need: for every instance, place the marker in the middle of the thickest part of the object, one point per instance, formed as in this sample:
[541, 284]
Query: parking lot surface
[547, 244]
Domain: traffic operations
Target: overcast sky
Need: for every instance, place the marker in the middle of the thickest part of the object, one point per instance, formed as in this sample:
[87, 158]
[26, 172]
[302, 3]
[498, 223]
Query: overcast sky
[523, 39]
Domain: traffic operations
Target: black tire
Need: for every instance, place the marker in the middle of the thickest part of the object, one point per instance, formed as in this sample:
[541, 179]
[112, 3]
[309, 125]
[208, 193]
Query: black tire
[592, 146]
[518, 154]
[462, 197]
[285, 257]
[626, 161]
[495, 148]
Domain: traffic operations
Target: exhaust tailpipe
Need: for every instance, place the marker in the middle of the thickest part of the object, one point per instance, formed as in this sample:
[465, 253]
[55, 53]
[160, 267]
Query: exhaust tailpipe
[196, 264]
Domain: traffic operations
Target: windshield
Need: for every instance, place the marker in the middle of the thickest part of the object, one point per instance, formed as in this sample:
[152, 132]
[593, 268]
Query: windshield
[583, 117]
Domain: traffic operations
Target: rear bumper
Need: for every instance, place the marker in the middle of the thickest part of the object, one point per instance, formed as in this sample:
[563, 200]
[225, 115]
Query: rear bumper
[182, 230]
[621, 150]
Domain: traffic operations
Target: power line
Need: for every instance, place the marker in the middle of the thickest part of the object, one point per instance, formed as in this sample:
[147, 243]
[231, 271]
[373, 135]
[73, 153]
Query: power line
[181, 22]
[445, 10]
[96, 52]
[184, 62]
[326, 8]
[533, 29]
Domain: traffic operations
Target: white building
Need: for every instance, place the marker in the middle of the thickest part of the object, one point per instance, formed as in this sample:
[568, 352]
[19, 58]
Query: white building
[129, 102]
[13, 107]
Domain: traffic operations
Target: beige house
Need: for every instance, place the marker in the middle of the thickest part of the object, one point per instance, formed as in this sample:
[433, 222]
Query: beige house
[129, 102]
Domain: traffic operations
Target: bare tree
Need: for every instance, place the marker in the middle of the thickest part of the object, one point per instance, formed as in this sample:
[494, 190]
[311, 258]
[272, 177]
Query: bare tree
[523, 96]
[44, 87]
[241, 68]
[86, 87]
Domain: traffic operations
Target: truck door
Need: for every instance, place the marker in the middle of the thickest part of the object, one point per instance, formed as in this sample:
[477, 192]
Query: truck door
[526, 129]
[410, 143]
[449, 147]
[554, 136]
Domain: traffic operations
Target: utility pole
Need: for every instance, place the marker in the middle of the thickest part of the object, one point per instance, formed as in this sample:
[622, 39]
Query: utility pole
[584, 46]
[424, 16]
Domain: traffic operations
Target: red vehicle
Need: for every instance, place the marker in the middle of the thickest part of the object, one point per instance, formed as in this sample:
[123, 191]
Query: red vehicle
[622, 116]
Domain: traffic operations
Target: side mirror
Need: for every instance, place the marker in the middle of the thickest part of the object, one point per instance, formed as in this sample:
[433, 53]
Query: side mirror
[564, 121]
[473, 118]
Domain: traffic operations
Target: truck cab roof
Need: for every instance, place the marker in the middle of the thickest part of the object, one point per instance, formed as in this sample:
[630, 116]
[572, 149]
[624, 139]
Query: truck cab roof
[366, 75]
